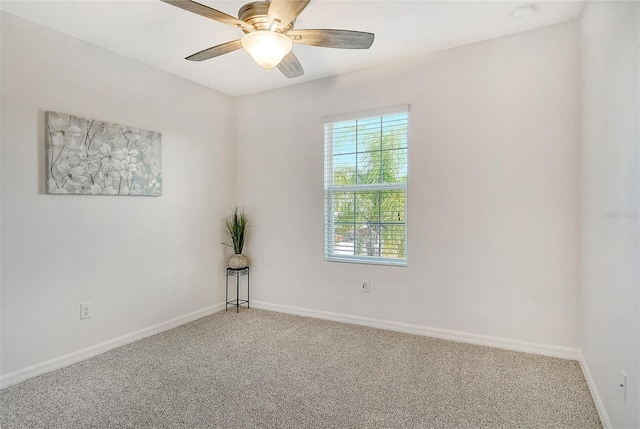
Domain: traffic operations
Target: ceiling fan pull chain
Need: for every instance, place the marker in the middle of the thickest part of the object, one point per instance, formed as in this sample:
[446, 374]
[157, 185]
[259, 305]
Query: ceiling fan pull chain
[274, 25]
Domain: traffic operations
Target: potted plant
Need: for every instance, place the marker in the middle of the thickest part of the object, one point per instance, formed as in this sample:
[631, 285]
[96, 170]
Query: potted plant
[236, 225]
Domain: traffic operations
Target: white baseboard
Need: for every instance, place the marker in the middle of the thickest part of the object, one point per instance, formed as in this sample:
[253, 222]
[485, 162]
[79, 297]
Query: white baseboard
[483, 340]
[445, 334]
[71, 358]
[602, 411]
[463, 337]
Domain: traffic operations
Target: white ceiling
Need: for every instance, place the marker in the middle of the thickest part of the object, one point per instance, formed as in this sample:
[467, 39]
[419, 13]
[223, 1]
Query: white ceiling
[161, 35]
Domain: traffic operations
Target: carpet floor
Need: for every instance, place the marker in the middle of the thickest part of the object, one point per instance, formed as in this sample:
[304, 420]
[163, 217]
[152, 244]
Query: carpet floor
[260, 369]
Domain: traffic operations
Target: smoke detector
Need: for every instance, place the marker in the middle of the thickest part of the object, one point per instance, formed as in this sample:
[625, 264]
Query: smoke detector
[523, 12]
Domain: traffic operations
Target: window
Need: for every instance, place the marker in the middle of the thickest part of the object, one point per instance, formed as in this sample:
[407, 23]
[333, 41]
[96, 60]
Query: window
[365, 187]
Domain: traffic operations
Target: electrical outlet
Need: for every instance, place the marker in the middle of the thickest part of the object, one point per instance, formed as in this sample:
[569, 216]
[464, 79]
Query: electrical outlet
[85, 310]
[623, 384]
[365, 286]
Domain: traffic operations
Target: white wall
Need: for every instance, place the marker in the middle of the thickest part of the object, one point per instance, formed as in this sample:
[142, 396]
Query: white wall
[141, 260]
[610, 317]
[494, 195]
[493, 190]
[496, 171]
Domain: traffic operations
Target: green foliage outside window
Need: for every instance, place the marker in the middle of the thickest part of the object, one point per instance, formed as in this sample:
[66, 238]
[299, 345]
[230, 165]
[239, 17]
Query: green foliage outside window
[370, 154]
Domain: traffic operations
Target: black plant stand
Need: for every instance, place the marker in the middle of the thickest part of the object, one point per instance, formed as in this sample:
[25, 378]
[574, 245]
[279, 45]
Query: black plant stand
[237, 273]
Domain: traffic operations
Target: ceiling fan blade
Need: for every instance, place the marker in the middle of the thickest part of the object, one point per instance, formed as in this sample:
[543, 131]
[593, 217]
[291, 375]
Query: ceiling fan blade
[215, 51]
[208, 12]
[344, 39]
[290, 66]
[285, 11]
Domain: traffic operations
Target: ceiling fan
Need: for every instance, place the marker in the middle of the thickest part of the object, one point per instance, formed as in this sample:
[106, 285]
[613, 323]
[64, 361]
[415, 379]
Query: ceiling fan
[269, 33]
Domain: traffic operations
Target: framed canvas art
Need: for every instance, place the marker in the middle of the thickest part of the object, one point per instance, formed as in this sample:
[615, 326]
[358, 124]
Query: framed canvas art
[92, 157]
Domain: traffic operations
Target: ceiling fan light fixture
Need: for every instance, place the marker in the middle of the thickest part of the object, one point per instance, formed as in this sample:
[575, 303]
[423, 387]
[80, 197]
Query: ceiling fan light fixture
[267, 48]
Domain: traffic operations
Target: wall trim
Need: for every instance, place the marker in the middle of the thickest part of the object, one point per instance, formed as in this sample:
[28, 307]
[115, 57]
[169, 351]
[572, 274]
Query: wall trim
[445, 334]
[86, 353]
[602, 411]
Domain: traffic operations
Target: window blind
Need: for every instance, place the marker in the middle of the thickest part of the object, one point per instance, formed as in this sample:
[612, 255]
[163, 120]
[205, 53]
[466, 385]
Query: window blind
[365, 188]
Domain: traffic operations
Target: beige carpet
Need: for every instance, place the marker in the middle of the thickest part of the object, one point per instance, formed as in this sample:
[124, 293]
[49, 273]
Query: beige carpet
[260, 369]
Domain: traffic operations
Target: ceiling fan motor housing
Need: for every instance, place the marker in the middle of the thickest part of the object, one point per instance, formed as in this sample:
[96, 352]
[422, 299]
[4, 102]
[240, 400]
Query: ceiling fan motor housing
[255, 14]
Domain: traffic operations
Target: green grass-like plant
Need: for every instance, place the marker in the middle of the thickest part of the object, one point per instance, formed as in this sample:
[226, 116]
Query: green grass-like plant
[236, 225]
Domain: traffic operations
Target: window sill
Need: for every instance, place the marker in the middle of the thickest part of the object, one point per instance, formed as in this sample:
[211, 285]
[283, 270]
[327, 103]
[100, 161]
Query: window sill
[366, 261]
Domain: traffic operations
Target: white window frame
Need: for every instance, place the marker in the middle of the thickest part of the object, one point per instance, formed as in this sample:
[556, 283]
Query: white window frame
[330, 188]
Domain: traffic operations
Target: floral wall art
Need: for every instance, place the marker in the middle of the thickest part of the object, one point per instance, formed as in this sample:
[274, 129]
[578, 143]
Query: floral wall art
[87, 156]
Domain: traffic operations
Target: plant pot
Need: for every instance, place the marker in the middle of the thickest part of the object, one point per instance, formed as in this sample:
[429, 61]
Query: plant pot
[238, 261]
